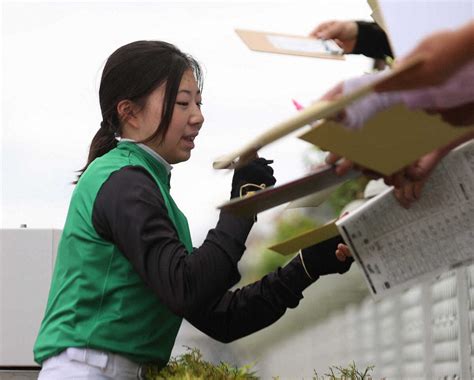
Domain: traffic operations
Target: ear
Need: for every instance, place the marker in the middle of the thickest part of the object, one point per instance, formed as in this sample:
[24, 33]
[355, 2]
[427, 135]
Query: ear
[126, 110]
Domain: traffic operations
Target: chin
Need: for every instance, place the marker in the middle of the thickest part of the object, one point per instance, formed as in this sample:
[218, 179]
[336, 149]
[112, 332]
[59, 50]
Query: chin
[181, 158]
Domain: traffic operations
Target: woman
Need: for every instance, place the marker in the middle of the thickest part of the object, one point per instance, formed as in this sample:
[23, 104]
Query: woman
[126, 272]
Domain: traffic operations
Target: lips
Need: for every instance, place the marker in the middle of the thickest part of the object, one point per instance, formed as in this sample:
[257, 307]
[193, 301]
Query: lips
[189, 140]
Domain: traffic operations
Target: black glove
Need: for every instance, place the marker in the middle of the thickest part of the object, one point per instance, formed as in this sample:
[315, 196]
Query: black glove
[320, 259]
[256, 173]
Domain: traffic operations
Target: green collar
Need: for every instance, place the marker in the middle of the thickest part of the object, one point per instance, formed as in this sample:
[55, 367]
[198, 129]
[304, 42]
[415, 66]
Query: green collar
[152, 161]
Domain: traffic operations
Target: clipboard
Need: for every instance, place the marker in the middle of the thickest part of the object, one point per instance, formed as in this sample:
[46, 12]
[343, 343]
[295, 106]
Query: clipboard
[280, 43]
[262, 200]
[307, 239]
[389, 141]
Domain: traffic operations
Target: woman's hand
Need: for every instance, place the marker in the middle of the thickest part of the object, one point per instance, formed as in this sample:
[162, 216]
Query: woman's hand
[343, 32]
[252, 176]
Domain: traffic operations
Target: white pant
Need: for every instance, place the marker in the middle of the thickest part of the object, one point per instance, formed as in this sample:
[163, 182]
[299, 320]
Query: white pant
[89, 364]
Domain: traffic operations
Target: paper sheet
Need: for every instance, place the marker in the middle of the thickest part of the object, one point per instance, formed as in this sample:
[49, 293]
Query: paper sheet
[304, 44]
[397, 248]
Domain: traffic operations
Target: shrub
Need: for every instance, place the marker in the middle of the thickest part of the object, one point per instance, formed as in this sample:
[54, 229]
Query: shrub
[349, 373]
[190, 365]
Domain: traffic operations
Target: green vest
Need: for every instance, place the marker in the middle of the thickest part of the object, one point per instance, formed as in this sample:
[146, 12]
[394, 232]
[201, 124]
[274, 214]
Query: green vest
[97, 300]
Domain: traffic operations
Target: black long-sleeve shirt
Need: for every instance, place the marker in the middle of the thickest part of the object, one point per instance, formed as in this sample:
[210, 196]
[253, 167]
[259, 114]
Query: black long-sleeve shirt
[130, 212]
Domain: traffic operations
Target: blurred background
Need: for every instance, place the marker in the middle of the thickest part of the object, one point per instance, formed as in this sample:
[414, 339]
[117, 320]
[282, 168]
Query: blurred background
[53, 53]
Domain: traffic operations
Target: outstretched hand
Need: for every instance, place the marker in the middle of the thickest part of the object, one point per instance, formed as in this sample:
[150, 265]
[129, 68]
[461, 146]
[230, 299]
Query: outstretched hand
[343, 32]
[409, 181]
[442, 53]
[328, 257]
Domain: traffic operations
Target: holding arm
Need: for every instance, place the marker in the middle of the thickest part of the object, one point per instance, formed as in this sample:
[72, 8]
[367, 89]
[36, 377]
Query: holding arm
[356, 37]
[243, 311]
[195, 286]
[130, 212]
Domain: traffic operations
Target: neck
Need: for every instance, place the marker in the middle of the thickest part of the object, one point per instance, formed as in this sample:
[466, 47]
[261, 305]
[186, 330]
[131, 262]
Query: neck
[152, 152]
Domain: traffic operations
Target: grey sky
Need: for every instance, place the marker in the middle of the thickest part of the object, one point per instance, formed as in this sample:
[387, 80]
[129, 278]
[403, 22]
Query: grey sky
[53, 54]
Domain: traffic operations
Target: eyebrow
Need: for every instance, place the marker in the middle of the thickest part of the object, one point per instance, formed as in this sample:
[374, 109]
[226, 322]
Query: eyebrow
[189, 92]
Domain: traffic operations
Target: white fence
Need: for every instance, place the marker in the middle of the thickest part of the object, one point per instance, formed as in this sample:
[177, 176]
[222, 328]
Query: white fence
[426, 332]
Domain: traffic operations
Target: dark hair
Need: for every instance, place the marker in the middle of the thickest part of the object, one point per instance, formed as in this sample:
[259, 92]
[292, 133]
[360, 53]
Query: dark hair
[133, 72]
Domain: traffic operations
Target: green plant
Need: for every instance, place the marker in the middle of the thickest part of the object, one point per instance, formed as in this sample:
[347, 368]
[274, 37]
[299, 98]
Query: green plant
[349, 373]
[346, 193]
[190, 365]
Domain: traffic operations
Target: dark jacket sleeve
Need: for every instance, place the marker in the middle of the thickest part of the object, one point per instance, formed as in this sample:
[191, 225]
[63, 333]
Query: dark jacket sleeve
[243, 311]
[372, 41]
[130, 212]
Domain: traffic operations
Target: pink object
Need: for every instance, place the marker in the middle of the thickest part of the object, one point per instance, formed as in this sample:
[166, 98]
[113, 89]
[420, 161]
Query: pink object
[297, 105]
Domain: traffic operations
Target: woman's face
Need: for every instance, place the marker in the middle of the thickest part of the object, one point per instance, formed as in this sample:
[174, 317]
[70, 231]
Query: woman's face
[185, 124]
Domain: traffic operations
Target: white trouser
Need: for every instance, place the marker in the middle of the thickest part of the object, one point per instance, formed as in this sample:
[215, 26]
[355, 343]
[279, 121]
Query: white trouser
[89, 364]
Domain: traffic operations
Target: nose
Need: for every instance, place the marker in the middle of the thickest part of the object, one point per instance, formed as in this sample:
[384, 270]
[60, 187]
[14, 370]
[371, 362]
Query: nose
[197, 119]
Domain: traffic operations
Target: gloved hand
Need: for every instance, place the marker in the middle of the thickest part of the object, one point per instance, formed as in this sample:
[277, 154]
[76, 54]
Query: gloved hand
[320, 259]
[257, 173]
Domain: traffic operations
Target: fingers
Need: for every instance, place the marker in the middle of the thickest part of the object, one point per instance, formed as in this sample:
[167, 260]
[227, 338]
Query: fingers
[262, 172]
[459, 116]
[334, 92]
[321, 28]
[333, 30]
[342, 165]
[408, 193]
[344, 31]
[397, 180]
[332, 158]
[256, 173]
[422, 168]
[403, 81]
[343, 252]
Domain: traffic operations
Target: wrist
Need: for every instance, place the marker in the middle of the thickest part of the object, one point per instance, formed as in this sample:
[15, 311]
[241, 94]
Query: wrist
[308, 275]
[352, 30]
[295, 277]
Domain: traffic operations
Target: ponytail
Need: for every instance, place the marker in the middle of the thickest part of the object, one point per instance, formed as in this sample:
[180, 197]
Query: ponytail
[103, 142]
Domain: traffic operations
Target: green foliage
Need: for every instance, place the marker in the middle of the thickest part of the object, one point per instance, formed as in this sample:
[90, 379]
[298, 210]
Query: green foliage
[349, 373]
[346, 193]
[285, 228]
[190, 365]
[288, 228]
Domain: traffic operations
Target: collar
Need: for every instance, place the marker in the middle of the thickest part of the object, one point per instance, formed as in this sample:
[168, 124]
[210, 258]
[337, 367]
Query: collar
[151, 152]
